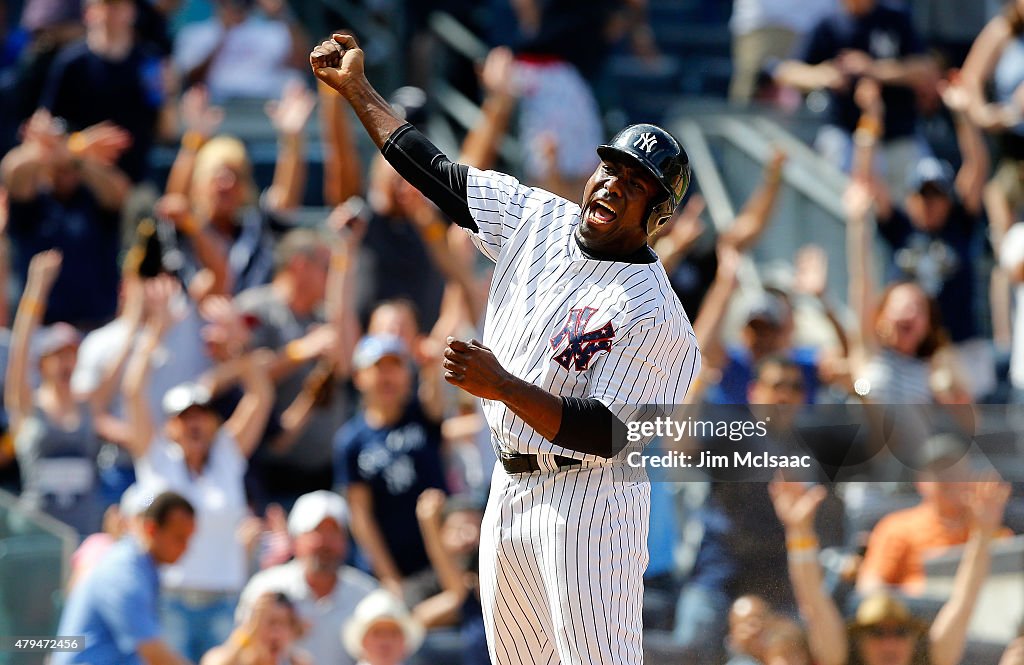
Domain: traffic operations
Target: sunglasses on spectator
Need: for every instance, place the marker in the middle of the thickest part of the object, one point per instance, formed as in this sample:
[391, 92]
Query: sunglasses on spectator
[890, 631]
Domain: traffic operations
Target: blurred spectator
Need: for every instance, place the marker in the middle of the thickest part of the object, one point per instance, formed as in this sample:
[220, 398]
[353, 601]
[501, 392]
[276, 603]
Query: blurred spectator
[1011, 258]
[65, 194]
[469, 453]
[386, 456]
[54, 433]
[749, 618]
[451, 535]
[764, 31]
[897, 349]
[686, 247]
[250, 49]
[884, 631]
[769, 323]
[324, 590]
[267, 634]
[469, 456]
[108, 77]
[304, 316]
[115, 607]
[864, 39]
[381, 632]
[768, 329]
[996, 62]
[936, 124]
[118, 521]
[46, 27]
[934, 235]
[559, 43]
[104, 352]
[392, 244]
[630, 22]
[211, 197]
[742, 550]
[785, 644]
[206, 460]
[901, 541]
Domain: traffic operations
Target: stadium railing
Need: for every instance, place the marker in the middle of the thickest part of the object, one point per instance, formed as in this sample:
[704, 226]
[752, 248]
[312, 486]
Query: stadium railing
[35, 555]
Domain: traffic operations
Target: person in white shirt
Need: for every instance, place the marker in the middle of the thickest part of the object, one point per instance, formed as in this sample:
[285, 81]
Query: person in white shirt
[198, 456]
[103, 355]
[324, 591]
[239, 53]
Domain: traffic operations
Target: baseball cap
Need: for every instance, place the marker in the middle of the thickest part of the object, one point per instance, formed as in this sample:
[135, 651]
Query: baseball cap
[931, 171]
[135, 500]
[313, 508]
[766, 307]
[53, 338]
[184, 396]
[374, 347]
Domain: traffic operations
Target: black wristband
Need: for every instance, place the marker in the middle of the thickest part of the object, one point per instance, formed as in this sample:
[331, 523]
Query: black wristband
[586, 427]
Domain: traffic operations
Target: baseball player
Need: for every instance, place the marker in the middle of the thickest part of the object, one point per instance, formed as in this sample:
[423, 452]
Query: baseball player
[582, 328]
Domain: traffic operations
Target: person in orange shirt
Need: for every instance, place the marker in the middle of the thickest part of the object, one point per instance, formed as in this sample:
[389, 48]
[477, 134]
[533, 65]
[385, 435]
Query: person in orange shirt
[902, 541]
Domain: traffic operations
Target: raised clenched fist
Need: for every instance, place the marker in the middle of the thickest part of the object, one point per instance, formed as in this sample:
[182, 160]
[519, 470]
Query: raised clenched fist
[337, 61]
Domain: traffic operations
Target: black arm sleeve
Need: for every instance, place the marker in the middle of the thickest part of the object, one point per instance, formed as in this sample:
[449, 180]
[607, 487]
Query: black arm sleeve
[586, 427]
[427, 169]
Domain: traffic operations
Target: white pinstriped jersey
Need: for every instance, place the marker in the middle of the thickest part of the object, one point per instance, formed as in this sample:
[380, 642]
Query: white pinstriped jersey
[575, 326]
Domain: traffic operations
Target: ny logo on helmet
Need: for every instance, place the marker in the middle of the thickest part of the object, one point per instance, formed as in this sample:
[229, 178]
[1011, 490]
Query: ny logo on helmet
[582, 345]
[646, 142]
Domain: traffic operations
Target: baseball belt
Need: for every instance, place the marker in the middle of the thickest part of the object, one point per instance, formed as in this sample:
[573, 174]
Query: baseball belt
[530, 464]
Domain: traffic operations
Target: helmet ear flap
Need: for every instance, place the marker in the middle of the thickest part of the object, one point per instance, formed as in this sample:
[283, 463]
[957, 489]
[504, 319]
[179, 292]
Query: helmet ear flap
[660, 214]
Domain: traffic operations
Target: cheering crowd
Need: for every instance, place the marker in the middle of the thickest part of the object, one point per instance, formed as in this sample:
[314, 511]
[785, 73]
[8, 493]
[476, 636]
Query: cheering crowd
[243, 417]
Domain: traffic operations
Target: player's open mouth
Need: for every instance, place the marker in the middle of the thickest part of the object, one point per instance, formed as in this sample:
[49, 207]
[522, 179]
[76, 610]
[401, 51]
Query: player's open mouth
[601, 213]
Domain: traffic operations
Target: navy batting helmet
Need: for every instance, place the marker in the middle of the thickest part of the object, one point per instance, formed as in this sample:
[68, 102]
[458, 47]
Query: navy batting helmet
[658, 153]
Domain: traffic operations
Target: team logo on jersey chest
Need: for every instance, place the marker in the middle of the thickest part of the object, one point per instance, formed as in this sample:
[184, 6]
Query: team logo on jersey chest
[582, 344]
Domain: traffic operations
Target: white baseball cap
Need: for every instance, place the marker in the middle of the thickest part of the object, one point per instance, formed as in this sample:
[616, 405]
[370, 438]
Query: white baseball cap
[184, 396]
[55, 337]
[313, 508]
[135, 500]
[372, 348]
[380, 605]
